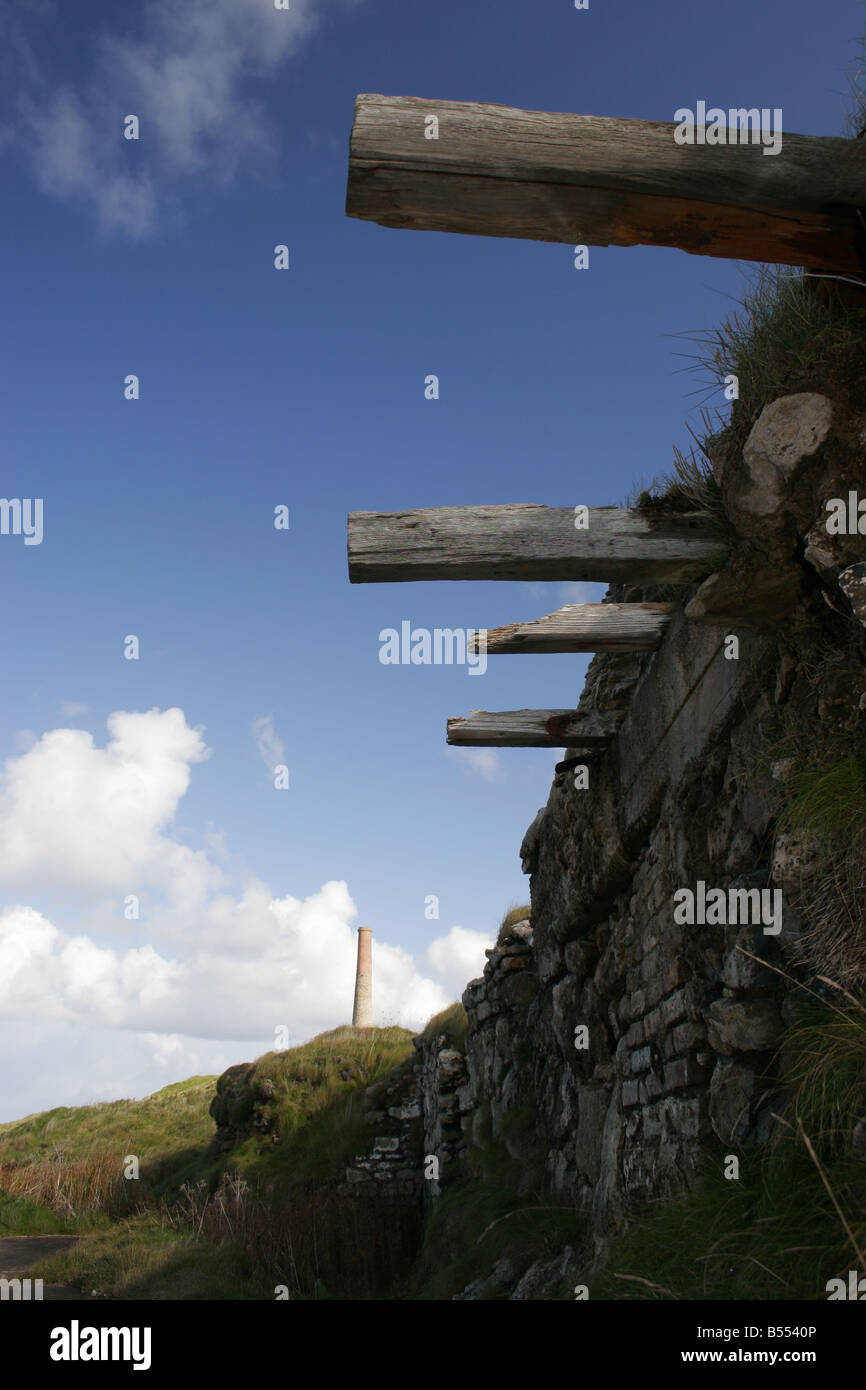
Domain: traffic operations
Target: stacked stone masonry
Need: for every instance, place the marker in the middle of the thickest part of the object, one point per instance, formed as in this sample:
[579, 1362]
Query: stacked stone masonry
[682, 1021]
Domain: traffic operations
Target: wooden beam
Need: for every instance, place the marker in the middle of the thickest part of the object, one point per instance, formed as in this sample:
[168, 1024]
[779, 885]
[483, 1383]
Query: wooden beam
[584, 627]
[601, 181]
[534, 728]
[525, 541]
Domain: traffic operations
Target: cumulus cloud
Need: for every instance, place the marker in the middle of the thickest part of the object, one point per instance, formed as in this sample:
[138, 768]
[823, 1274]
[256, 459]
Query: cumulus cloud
[217, 968]
[92, 819]
[245, 969]
[457, 958]
[187, 74]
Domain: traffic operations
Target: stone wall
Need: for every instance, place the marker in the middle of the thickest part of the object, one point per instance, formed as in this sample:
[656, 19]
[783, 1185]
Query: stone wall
[391, 1165]
[414, 1116]
[681, 1020]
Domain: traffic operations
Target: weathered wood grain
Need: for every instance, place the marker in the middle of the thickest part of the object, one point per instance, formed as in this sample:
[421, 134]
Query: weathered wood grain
[533, 728]
[599, 181]
[524, 541]
[584, 627]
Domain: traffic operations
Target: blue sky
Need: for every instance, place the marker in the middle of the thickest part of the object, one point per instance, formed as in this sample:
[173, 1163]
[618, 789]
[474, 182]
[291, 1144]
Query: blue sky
[303, 388]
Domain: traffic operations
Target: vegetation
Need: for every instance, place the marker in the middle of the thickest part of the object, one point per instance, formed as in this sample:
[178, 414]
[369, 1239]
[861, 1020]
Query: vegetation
[308, 1104]
[486, 1217]
[453, 1023]
[789, 333]
[796, 1215]
[511, 918]
[200, 1223]
[819, 777]
[21, 1216]
[690, 486]
[153, 1256]
[73, 1149]
[855, 117]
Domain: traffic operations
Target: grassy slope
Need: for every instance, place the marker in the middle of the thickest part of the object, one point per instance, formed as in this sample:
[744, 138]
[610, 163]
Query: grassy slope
[311, 1096]
[166, 1130]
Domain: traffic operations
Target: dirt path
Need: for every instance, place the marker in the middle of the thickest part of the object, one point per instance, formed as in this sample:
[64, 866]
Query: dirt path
[18, 1254]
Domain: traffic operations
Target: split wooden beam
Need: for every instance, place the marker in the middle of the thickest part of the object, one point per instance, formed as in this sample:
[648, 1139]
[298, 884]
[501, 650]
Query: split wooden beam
[602, 181]
[520, 541]
[534, 728]
[583, 627]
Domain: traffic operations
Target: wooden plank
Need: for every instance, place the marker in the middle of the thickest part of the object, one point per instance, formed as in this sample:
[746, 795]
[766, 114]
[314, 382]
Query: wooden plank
[584, 627]
[523, 541]
[533, 728]
[603, 181]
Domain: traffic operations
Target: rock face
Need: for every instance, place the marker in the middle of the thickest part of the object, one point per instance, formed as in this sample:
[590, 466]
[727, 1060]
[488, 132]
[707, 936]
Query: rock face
[634, 1040]
[802, 451]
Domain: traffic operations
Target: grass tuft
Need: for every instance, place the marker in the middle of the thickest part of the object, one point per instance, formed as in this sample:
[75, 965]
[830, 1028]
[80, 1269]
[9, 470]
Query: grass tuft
[784, 337]
[824, 812]
[453, 1023]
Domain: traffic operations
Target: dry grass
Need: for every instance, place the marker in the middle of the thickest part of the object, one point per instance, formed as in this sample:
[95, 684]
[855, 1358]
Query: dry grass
[783, 337]
[825, 811]
[72, 1189]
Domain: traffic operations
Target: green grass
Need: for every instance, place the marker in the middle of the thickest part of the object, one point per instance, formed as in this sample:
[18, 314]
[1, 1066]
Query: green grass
[167, 1131]
[510, 919]
[486, 1217]
[783, 338]
[772, 1233]
[796, 1215]
[689, 486]
[147, 1258]
[823, 808]
[825, 1063]
[453, 1023]
[20, 1216]
[310, 1099]
[218, 1225]
[828, 801]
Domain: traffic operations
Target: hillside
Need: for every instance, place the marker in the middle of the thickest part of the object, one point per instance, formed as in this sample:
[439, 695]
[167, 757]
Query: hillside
[296, 1117]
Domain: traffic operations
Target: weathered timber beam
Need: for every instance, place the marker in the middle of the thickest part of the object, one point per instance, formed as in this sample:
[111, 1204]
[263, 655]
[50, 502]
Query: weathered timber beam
[584, 627]
[525, 541]
[602, 181]
[533, 728]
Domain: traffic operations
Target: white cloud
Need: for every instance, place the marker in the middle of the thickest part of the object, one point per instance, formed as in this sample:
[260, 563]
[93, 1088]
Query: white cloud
[271, 748]
[487, 762]
[72, 709]
[556, 595]
[215, 970]
[245, 969]
[91, 819]
[186, 73]
[81, 1064]
[457, 958]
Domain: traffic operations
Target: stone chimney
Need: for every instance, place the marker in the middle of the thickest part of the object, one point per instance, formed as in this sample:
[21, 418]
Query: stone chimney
[362, 1016]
